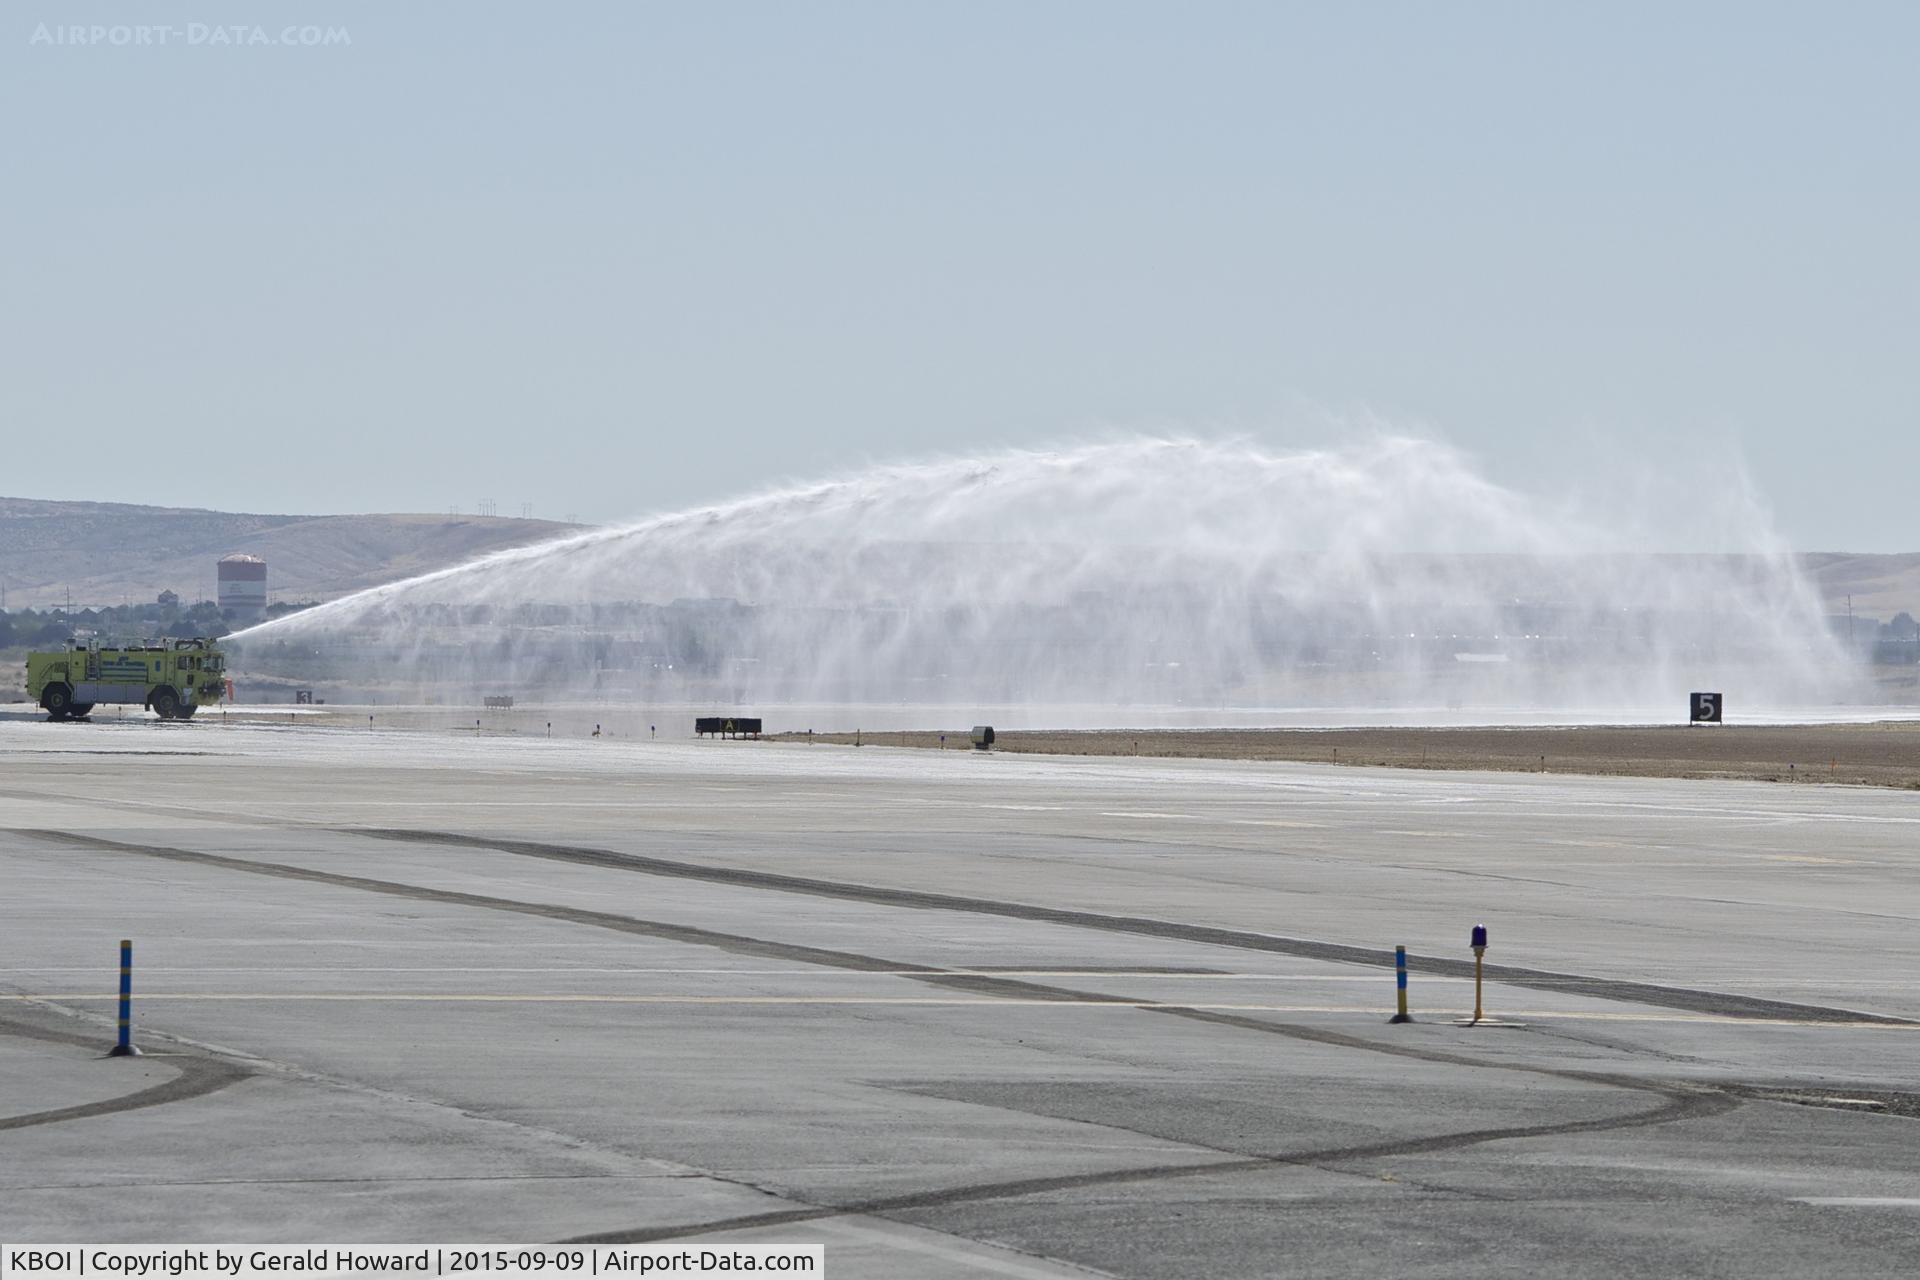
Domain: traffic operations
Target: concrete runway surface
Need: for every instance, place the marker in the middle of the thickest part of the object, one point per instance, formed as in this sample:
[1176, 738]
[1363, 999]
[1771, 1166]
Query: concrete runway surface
[953, 1014]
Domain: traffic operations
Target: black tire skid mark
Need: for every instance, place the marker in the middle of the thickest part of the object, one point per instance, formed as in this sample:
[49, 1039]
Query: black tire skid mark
[1678, 1102]
[198, 1076]
[1689, 999]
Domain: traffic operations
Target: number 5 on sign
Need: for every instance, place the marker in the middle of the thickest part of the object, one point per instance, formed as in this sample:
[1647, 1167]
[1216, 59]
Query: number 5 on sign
[1706, 708]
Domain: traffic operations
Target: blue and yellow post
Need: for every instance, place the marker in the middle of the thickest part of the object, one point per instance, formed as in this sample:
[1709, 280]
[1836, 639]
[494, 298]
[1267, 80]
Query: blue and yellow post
[1400, 983]
[1479, 943]
[125, 1049]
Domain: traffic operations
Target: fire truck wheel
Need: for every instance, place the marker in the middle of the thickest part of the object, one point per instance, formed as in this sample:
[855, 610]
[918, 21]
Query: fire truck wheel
[58, 700]
[185, 711]
[166, 703]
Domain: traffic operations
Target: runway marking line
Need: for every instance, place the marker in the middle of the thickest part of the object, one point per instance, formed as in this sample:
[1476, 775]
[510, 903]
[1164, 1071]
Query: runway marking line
[409, 997]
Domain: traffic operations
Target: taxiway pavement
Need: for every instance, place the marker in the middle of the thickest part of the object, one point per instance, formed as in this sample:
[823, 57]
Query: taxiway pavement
[952, 1013]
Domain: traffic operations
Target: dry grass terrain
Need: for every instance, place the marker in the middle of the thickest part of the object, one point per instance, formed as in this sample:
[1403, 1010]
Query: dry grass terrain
[107, 553]
[1881, 585]
[1885, 754]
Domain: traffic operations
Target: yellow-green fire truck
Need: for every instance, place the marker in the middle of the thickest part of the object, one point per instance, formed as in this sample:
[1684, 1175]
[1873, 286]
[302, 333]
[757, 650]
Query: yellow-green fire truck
[174, 679]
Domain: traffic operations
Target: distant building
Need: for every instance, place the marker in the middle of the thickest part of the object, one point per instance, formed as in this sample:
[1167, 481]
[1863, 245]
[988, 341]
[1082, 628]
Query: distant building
[243, 588]
[169, 598]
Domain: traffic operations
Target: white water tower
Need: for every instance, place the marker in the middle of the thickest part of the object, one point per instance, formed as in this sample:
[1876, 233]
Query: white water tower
[243, 588]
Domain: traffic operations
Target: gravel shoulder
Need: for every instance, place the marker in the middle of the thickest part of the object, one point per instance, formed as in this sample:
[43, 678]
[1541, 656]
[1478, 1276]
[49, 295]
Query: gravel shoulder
[1883, 755]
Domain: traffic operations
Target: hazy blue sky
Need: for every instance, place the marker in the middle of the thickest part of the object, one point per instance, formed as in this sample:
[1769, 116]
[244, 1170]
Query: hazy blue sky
[607, 258]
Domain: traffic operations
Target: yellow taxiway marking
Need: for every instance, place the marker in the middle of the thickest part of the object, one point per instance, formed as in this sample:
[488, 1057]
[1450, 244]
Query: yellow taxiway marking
[997, 1002]
[1131, 975]
[1152, 815]
[1571, 984]
[1273, 822]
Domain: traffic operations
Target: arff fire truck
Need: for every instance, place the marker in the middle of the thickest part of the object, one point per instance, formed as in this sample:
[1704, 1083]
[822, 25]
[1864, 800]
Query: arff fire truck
[174, 679]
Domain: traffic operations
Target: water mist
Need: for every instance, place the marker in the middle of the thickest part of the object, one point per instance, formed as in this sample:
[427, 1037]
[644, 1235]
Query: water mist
[1119, 579]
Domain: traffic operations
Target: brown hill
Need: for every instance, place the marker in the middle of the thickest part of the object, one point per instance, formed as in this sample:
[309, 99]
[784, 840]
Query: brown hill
[1881, 586]
[107, 553]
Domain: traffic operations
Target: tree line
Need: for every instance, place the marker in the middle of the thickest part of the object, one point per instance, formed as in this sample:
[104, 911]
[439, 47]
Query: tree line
[126, 623]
